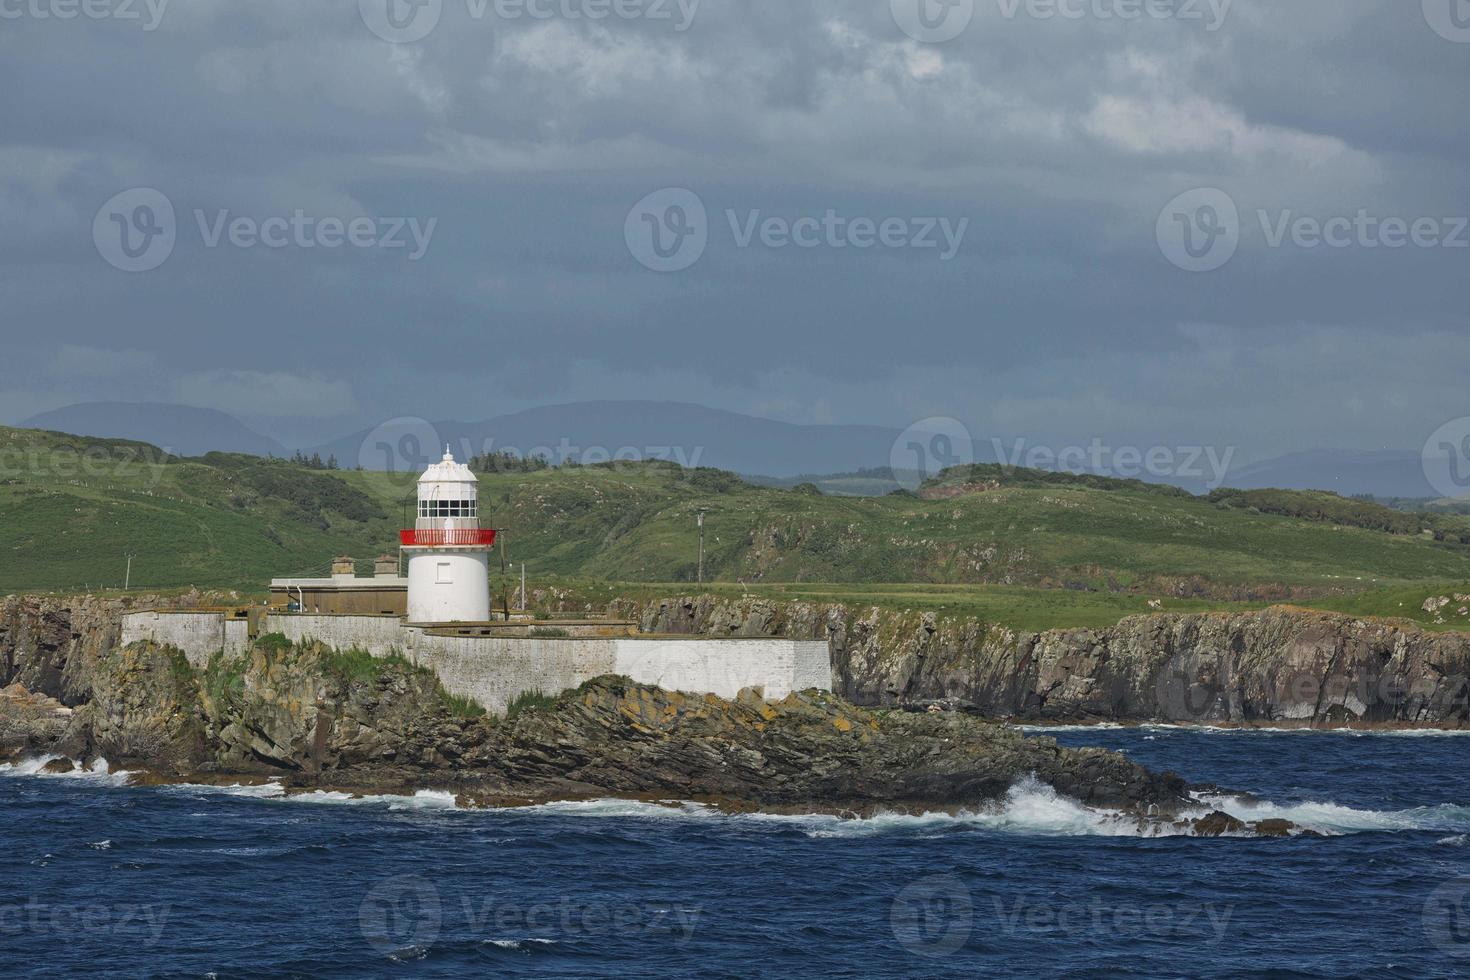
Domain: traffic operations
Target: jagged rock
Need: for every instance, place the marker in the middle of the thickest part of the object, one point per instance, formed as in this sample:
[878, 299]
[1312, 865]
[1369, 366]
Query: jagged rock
[30, 721]
[1218, 824]
[811, 750]
[1274, 828]
[323, 719]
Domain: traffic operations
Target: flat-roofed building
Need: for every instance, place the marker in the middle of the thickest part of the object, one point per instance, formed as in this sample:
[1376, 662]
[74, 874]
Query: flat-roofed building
[344, 594]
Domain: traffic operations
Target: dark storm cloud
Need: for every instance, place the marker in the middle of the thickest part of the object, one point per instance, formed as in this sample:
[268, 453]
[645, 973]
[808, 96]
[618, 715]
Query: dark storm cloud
[1057, 138]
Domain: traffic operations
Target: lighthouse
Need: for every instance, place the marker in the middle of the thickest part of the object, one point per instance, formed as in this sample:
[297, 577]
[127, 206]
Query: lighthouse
[448, 553]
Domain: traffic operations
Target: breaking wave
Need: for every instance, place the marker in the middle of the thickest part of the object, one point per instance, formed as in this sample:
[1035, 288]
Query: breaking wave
[98, 772]
[1333, 818]
[422, 800]
[1030, 808]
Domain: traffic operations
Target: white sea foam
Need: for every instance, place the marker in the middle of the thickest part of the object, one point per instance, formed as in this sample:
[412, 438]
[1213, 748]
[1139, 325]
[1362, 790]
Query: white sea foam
[1030, 808]
[98, 772]
[1333, 818]
[422, 800]
[1034, 809]
[28, 767]
[261, 791]
[518, 943]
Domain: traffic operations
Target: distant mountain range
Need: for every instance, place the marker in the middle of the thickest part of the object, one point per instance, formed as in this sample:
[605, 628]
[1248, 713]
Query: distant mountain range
[181, 429]
[1381, 473]
[692, 435]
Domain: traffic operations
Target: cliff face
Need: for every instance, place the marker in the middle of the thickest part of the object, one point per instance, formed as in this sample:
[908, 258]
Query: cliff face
[317, 718]
[50, 644]
[1282, 666]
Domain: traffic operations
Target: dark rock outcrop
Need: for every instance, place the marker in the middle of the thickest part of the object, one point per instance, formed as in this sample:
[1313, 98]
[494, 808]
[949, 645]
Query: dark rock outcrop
[807, 751]
[319, 718]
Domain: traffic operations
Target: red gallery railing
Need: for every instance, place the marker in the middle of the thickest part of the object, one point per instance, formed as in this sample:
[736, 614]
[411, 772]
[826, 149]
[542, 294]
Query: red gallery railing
[447, 539]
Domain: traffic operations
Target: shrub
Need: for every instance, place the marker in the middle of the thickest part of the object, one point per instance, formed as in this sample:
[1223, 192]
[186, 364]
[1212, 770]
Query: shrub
[530, 701]
[462, 707]
[274, 643]
[352, 665]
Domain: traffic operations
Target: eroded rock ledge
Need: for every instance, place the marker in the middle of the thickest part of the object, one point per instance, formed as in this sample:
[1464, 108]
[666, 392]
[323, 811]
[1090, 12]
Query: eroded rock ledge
[321, 719]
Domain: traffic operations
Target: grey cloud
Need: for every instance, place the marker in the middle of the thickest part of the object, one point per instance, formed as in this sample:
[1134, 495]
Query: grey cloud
[529, 141]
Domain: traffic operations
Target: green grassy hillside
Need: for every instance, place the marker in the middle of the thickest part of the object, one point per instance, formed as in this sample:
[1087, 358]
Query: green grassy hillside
[1024, 546]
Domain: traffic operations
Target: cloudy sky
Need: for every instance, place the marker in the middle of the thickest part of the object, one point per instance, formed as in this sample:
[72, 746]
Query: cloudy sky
[320, 215]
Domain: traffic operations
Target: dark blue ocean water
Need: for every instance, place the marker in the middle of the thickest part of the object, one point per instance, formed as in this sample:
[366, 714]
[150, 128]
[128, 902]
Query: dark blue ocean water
[97, 877]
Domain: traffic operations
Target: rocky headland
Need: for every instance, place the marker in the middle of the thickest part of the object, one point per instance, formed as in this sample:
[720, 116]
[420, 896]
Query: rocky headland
[315, 718]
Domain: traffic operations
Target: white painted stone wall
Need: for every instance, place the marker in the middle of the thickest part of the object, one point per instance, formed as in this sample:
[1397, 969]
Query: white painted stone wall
[200, 635]
[494, 671]
[726, 667]
[380, 636]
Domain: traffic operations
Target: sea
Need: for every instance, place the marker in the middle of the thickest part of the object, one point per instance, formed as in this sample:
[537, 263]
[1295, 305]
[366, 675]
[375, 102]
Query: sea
[98, 877]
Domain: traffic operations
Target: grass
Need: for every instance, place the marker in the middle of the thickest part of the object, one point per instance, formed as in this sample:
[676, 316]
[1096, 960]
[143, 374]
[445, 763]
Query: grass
[462, 707]
[1408, 603]
[1024, 549]
[356, 666]
[530, 701]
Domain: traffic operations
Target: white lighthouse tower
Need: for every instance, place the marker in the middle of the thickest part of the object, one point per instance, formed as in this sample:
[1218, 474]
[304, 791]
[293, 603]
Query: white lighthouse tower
[448, 553]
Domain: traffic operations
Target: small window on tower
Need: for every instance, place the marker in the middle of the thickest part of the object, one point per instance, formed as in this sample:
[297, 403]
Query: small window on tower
[446, 575]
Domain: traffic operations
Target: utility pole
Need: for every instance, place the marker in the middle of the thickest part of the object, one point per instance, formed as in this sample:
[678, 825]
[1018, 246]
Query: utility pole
[701, 547]
[523, 586]
[128, 578]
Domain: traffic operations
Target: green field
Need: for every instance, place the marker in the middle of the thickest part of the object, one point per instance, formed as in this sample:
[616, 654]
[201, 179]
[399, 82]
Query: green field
[1021, 548]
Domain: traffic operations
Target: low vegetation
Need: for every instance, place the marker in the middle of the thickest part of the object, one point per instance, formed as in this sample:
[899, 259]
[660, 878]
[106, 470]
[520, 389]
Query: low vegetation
[1012, 546]
[530, 701]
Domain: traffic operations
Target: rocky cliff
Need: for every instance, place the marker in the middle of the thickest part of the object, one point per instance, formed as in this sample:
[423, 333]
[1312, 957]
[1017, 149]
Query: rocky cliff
[317, 718]
[1283, 666]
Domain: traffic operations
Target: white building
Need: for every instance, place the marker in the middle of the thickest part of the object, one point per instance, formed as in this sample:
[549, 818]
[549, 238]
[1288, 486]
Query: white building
[448, 553]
